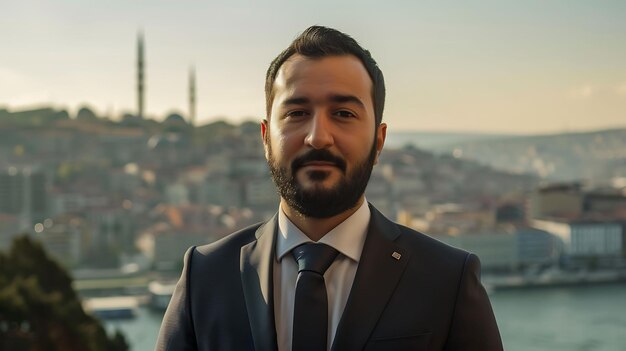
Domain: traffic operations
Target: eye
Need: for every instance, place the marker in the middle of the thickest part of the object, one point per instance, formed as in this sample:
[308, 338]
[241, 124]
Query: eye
[296, 113]
[345, 114]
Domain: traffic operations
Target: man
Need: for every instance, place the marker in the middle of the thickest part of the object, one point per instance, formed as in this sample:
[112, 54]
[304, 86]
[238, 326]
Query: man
[382, 286]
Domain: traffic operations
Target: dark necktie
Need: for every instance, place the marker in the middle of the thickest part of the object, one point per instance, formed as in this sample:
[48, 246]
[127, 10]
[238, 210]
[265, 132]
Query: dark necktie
[310, 317]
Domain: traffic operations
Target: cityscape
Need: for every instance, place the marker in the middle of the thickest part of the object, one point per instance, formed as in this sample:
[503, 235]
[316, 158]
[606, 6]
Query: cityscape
[133, 195]
[117, 201]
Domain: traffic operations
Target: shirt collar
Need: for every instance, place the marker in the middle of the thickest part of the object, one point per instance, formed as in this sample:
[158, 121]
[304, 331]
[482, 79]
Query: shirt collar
[347, 238]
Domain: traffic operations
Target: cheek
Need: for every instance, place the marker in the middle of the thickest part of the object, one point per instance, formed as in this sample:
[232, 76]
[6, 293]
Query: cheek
[284, 145]
[356, 149]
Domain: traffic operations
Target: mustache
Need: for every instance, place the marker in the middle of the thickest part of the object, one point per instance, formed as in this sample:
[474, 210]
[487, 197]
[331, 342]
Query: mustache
[318, 155]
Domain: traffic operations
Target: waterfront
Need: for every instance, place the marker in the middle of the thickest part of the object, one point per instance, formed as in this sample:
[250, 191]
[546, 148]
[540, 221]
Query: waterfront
[581, 318]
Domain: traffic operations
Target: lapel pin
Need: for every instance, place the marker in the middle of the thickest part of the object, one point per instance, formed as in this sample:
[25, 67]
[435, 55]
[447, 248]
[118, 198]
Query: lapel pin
[396, 255]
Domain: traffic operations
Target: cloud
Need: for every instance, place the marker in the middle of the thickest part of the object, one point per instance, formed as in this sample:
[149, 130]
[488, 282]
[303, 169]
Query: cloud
[582, 92]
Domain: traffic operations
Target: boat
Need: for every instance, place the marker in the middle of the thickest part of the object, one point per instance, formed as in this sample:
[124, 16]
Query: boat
[114, 307]
[160, 294]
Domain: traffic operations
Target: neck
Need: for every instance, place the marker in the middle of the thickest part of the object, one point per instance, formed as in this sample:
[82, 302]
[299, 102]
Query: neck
[316, 228]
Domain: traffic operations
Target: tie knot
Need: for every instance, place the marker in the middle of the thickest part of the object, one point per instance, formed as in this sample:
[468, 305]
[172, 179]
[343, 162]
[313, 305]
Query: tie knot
[314, 257]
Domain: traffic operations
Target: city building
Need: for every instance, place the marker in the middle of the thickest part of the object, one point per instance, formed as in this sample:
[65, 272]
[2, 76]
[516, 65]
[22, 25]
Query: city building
[23, 193]
[588, 242]
[557, 200]
[66, 238]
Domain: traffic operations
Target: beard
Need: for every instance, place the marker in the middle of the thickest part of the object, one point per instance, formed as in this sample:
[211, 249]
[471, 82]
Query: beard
[320, 202]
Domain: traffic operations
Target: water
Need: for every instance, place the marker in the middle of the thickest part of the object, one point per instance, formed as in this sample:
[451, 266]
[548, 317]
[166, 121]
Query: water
[586, 318]
[141, 333]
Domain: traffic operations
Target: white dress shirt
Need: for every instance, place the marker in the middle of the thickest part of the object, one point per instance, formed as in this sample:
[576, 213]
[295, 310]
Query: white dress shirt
[347, 238]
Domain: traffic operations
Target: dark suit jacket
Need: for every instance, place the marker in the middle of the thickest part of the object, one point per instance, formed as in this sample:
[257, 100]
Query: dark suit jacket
[430, 298]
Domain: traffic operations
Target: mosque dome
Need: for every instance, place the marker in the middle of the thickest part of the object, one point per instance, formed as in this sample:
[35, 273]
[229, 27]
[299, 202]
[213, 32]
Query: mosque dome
[175, 119]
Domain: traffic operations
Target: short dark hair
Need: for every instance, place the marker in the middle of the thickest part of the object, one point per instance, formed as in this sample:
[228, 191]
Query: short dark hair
[318, 41]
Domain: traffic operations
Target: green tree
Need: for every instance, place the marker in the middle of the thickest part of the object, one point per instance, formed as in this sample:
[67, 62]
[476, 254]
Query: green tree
[39, 310]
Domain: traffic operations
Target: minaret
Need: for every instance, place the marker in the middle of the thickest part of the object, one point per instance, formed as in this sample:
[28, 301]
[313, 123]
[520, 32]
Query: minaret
[140, 76]
[192, 96]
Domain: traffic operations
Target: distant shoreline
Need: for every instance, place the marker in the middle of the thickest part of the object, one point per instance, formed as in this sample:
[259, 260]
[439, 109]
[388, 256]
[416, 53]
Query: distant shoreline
[553, 279]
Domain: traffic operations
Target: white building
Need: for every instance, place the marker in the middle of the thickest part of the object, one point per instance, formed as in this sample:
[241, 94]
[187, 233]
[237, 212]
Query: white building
[587, 238]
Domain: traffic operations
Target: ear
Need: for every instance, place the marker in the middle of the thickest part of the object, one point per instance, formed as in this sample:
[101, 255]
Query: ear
[265, 136]
[381, 135]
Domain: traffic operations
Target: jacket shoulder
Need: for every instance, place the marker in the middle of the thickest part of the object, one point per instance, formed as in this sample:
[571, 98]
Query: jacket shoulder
[424, 239]
[430, 249]
[416, 242]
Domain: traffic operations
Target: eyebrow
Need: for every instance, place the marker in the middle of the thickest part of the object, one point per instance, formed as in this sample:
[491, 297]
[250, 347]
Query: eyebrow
[296, 101]
[337, 98]
[347, 98]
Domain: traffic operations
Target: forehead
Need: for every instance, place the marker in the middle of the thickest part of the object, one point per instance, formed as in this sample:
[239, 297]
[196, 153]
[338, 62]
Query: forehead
[316, 76]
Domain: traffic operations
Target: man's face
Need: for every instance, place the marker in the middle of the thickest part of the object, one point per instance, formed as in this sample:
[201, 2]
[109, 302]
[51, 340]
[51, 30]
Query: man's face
[321, 141]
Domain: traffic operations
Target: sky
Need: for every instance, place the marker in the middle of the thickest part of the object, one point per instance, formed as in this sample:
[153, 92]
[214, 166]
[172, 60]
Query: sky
[517, 67]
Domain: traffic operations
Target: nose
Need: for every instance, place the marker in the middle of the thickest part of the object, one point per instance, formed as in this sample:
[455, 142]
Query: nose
[319, 134]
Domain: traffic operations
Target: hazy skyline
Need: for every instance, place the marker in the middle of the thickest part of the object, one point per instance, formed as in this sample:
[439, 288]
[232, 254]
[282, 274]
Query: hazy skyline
[484, 66]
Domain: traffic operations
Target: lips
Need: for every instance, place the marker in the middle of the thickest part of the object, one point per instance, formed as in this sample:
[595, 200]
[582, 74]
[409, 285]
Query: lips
[318, 159]
[320, 164]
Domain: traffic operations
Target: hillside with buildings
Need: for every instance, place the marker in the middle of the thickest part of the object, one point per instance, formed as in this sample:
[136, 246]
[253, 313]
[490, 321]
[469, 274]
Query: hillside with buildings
[120, 201]
[595, 156]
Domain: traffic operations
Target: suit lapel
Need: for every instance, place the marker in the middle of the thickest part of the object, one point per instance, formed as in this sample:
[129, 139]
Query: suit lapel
[258, 286]
[376, 278]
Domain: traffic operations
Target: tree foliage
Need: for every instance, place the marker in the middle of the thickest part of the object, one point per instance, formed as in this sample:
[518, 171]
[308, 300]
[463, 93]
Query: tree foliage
[39, 310]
